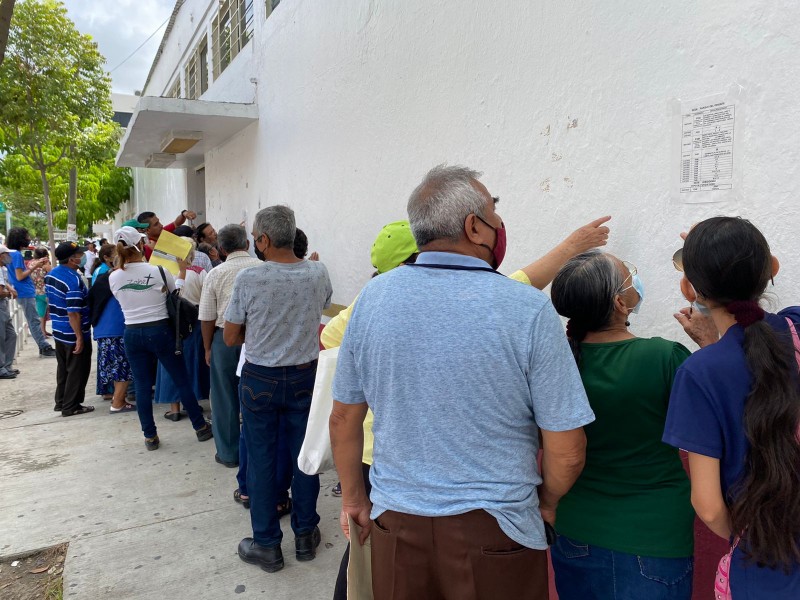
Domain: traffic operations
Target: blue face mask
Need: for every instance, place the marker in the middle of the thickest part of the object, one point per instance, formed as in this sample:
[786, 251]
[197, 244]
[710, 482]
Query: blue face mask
[639, 287]
[83, 261]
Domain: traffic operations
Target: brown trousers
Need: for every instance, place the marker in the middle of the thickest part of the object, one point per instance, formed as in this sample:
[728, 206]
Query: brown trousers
[463, 557]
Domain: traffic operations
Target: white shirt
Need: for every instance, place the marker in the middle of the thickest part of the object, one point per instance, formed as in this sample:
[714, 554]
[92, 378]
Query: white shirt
[87, 268]
[218, 286]
[139, 290]
[193, 287]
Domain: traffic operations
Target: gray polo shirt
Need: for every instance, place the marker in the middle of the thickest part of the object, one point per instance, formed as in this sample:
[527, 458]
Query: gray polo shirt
[280, 306]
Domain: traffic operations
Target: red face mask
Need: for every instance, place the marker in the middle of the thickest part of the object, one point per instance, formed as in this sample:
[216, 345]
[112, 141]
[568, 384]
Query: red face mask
[499, 250]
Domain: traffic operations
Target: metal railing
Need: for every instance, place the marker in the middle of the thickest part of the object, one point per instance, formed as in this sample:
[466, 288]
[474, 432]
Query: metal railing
[20, 325]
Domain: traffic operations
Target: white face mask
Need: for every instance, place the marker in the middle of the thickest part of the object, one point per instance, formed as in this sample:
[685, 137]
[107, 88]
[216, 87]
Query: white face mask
[701, 308]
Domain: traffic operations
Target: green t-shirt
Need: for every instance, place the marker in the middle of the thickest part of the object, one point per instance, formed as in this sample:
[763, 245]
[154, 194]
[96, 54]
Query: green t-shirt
[633, 495]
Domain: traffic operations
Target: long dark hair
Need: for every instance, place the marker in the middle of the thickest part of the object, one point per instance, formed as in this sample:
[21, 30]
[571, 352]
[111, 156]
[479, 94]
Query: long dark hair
[583, 291]
[728, 261]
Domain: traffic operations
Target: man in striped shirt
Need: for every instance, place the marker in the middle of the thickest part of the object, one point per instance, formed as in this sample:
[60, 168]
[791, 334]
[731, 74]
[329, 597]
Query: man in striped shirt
[69, 313]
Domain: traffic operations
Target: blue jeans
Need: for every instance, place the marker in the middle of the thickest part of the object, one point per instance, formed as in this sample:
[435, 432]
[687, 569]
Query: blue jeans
[284, 476]
[591, 572]
[275, 400]
[144, 346]
[34, 323]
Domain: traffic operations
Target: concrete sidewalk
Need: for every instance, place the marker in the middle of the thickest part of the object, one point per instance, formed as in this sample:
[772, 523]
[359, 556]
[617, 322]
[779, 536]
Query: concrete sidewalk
[139, 524]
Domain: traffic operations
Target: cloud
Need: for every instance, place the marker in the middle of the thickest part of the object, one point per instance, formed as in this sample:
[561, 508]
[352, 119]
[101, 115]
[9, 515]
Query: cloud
[119, 27]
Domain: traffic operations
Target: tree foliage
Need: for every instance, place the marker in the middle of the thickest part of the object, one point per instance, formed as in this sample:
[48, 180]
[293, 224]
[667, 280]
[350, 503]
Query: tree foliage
[53, 92]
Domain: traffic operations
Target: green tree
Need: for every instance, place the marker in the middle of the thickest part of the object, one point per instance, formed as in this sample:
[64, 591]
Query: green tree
[52, 89]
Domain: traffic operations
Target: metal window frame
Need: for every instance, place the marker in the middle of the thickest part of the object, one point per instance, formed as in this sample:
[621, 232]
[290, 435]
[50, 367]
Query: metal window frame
[231, 30]
[196, 72]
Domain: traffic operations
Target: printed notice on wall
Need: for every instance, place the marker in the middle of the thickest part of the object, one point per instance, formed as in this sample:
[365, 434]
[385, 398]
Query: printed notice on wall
[707, 165]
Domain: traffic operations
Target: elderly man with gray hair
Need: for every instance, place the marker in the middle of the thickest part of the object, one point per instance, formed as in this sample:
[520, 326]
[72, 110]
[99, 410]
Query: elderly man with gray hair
[463, 369]
[222, 359]
[276, 309]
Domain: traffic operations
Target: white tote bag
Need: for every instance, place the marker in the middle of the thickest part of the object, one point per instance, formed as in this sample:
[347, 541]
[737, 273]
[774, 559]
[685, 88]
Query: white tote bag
[316, 455]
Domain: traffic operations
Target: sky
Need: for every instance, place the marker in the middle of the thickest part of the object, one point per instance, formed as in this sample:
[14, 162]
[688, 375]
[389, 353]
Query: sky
[119, 27]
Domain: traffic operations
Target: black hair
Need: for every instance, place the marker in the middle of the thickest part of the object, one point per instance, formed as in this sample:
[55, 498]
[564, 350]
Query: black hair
[17, 238]
[184, 231]
[144, 217]
[198, 232]
[728, 260]
[583, 291]
[300, 243]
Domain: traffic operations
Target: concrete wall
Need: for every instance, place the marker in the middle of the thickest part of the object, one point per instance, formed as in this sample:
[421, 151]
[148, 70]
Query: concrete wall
[359, 98]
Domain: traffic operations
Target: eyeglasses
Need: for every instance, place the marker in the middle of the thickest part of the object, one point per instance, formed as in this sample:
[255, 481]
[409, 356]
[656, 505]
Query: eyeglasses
[677, 260]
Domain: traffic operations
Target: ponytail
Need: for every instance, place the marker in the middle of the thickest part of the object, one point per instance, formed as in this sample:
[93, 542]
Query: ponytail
[728, 260]
[126, 254]
[766, 502]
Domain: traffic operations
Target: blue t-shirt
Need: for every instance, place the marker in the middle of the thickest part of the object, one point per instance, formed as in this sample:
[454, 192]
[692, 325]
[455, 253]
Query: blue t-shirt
[26, 287]
[103, 268]
[706, 416]
[66, 293]
[461, 368]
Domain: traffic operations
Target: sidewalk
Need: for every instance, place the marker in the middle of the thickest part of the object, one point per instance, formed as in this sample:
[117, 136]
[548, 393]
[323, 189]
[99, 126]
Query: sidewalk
[139, 524]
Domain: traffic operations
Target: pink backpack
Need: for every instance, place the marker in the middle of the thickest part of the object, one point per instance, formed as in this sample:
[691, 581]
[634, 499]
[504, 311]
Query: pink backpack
[722, 584]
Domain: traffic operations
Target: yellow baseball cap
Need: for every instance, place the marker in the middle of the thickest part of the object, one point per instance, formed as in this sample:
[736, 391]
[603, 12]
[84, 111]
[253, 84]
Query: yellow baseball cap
[394, 244]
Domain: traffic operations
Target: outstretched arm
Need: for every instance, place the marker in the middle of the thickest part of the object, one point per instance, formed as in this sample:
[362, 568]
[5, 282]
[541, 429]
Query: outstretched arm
[592, 235]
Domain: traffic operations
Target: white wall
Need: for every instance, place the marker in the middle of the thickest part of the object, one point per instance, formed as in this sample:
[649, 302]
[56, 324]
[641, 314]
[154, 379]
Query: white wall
[162, 191]
[359, 98]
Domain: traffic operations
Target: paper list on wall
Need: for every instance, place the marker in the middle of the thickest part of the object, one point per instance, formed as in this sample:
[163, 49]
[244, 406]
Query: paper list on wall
[707, 148]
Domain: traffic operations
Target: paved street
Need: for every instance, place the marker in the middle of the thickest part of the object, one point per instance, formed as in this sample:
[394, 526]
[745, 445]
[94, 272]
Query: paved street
[139, 524]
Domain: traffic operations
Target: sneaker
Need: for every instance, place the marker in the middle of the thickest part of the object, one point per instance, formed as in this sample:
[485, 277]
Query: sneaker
[151, 443]
[204, 433]
[47, 352]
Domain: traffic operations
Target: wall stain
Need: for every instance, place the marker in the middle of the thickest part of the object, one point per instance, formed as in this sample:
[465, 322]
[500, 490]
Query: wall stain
[572, 124]
[545, 185]
[555, 157]
[568, 181]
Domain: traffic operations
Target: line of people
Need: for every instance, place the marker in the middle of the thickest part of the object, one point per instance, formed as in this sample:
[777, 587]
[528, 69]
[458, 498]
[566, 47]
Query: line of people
[470, 433]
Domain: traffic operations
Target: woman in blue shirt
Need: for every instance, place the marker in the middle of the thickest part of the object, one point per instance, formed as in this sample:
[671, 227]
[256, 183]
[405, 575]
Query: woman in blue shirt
[735, 407]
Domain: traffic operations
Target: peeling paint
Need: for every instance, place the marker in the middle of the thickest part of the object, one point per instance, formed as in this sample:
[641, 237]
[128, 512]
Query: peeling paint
[555, 157]
[545, 131]
[545, 185]
[568, 182]
[573, 123]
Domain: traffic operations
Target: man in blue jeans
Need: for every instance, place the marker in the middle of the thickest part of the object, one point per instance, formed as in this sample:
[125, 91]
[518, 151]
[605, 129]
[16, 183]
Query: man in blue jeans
[276, 308]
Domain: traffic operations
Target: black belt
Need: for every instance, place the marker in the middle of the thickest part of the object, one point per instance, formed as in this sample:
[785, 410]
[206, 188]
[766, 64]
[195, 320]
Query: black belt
[307, 365]
[148, 324]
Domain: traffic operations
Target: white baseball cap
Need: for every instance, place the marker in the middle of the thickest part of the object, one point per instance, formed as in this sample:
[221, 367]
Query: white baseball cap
[128, 236]
[3, 249]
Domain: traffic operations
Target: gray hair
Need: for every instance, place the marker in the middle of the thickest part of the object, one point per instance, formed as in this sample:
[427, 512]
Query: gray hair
[439, 205]
[232, 238]
[584, 291]
[277, 223]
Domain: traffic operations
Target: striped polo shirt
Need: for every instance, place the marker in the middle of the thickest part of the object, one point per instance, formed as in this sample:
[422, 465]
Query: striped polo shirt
[66, 293]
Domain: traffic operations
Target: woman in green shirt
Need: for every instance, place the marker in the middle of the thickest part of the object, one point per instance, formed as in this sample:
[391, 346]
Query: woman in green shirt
[626, 526]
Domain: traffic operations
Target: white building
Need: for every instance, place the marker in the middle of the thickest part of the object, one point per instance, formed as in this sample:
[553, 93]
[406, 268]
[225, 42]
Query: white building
[338, 108]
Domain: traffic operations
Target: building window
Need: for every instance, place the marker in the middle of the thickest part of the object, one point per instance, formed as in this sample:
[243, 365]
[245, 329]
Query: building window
[231, 29]
[175, 90]
[197, 71]
[271, 5]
